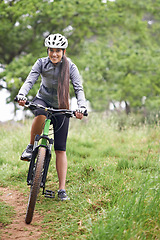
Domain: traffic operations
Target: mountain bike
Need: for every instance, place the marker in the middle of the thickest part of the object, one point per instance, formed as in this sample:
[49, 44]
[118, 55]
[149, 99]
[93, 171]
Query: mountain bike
[41, 157]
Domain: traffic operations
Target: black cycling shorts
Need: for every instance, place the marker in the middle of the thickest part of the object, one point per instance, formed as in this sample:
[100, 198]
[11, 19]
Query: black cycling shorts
[60, 125]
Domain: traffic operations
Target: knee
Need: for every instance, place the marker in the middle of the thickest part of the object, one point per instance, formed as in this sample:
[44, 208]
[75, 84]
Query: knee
[60, 152]
[40, 117]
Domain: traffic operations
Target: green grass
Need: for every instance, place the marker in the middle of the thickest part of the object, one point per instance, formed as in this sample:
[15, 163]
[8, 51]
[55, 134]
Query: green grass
[7, 212]
[113, 179]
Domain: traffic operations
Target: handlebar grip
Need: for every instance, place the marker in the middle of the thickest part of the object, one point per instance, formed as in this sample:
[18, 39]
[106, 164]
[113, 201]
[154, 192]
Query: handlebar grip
[27, 102]
[85, 113]
[15, 99]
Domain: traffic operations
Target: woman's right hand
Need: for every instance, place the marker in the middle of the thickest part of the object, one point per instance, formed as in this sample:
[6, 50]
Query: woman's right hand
[21, 99]
[21, 103]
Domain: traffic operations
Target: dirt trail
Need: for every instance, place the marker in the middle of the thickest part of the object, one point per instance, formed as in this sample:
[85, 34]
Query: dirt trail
[18, 229]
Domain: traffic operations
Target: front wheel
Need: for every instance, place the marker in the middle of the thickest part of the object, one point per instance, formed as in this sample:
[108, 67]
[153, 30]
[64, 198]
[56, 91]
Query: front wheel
[36, 184]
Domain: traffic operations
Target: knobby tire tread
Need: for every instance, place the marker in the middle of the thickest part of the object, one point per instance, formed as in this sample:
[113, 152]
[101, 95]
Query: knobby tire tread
[36, 184]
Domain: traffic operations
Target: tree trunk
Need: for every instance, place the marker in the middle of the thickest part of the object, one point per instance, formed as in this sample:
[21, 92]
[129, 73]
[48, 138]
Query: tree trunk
[128, 109]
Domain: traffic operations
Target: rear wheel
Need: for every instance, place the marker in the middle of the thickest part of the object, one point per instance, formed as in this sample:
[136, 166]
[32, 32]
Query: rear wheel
[36, 184]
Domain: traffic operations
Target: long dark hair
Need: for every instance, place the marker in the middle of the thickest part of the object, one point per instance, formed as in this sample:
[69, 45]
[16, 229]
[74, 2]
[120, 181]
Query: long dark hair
[63, 84]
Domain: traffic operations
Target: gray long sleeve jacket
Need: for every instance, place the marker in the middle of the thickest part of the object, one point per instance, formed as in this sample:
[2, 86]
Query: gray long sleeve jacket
[49, 82]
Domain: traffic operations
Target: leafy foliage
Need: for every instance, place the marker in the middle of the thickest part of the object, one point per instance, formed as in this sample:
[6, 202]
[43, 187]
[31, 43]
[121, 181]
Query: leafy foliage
[114, 43]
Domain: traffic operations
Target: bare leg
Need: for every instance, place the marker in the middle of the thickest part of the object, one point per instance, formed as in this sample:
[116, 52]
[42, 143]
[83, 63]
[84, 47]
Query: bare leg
[61, 166]
[37, 126]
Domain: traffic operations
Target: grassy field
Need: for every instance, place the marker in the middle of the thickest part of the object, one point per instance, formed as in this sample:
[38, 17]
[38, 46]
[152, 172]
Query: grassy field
[113, 179]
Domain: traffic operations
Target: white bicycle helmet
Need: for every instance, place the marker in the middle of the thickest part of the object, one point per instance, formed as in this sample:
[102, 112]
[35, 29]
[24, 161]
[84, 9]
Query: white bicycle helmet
[56, 41]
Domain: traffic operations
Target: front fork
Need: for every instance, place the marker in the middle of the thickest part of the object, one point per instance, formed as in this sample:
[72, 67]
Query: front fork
[34, 155]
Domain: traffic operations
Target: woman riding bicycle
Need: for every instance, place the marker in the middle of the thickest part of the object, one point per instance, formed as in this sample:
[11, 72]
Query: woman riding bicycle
[55, 70]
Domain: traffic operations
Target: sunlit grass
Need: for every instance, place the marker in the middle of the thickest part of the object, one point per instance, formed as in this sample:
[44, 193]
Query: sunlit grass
[112, 180]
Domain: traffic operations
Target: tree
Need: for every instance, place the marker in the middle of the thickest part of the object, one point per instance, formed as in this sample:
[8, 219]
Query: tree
[114, 44]
[123, 64]
[25, 24]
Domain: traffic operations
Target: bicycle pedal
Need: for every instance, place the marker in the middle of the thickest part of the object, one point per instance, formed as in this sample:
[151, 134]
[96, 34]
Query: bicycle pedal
[49, 194]
[29, 182]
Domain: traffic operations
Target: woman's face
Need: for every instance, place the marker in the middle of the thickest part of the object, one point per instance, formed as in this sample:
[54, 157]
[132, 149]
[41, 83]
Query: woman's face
[55, 54]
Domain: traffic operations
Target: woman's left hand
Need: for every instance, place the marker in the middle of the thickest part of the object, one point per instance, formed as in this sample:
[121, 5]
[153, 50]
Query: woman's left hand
[79, 115]
[79, 112]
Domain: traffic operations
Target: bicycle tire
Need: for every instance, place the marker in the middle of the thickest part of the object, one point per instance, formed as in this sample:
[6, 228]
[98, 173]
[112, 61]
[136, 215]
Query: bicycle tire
[36, 184]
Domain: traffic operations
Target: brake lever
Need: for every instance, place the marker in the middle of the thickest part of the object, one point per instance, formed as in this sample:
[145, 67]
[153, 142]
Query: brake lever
[27, 104]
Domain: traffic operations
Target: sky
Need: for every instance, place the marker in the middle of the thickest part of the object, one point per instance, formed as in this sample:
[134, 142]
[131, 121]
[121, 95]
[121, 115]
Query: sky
[7, 110]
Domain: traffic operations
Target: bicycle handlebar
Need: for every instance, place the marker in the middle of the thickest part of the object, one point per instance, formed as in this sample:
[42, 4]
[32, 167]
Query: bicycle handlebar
[68, 113]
